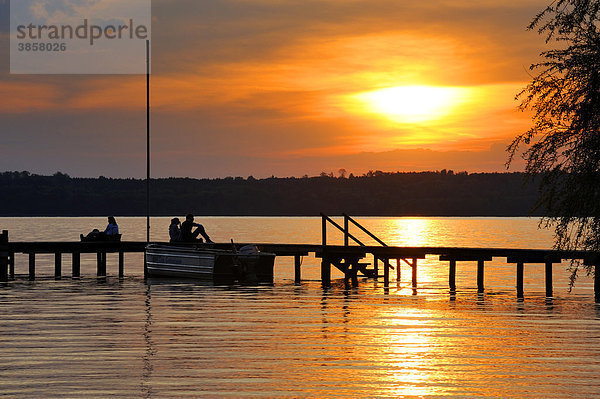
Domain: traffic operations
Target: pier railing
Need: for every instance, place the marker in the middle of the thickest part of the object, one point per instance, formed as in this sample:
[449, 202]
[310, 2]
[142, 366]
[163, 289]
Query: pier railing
[348, 220]
[347, 235]
[346, 230]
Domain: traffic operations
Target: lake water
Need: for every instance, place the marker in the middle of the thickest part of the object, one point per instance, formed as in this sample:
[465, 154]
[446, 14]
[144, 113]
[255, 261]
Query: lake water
[129, 338]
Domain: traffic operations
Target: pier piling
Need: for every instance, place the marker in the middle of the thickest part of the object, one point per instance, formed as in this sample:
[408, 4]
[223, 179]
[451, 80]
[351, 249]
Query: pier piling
[354, 273]
[297, 270]
[11, 265]
[452, 275]
[76, 265]
[4, 256]
[325, 272]
[32, 266]
[58, 265]
[414, 273]
[549, 293]
[480, 274]
[101, 264]
[520, 268]
[347, 270]
[121, 264]
[98, 264]
[386, 272]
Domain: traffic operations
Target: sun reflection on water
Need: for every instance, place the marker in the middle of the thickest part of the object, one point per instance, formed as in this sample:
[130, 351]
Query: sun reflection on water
[411, 232]
[406, 353]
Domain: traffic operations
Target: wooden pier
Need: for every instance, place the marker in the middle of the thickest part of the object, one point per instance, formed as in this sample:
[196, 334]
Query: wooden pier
[60, 249]
[353, 261]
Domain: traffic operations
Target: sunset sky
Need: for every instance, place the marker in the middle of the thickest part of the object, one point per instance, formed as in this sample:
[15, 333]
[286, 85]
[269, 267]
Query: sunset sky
[287, 88]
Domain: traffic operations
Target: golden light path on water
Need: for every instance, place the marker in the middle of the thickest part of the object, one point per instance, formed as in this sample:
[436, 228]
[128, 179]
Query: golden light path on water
[411, 232]
[406, 352]
[156, 338]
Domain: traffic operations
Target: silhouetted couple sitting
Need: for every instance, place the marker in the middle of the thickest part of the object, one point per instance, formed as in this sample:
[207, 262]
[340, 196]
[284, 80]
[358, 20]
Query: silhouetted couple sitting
[111, 233]
[185, 233]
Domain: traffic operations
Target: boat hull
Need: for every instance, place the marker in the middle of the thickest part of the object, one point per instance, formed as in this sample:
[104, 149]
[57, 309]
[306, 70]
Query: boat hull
[209, 264]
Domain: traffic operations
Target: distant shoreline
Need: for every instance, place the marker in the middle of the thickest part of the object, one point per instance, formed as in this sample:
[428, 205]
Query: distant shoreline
[383, 194]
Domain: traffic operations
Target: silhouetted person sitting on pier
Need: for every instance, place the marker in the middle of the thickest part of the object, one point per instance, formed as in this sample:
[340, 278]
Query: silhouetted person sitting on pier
[187, 235]
[175, 230]
[112, 228]
[94, 235]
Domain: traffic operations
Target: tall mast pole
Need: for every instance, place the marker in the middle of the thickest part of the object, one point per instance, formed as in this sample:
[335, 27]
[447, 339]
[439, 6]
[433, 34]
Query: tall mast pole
[147, 141]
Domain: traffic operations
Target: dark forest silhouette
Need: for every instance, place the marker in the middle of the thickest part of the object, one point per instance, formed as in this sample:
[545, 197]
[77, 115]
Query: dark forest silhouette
[443, 193]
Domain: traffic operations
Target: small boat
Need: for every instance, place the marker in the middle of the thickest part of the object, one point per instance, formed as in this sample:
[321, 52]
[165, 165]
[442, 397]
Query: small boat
[248, 265]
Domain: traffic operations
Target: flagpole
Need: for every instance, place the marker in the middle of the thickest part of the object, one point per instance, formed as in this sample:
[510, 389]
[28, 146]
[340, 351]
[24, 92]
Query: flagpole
[147, 141]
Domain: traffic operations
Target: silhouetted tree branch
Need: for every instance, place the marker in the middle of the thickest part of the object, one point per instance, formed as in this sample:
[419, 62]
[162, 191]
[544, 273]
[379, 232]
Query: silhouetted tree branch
[563, 145]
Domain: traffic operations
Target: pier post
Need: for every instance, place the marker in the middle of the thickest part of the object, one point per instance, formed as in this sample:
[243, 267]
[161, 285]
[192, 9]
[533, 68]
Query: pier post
[297, 270]
[414, 272]
[480, 271]
[121, 264]
[386, 272]
[452, 275]
[76, 265]
[57, 265]
[11, 265]
[3, 268]
[348, 272]
[398, 271]
[354, 272]
[520, 268]
[376, 266]
[549, 293]
[325, 272]
[32, 266]
[101, 264]
[597, 283]
[4, 256]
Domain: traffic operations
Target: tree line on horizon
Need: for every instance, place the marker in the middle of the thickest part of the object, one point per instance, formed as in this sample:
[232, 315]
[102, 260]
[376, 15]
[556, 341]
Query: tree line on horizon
[376, 193]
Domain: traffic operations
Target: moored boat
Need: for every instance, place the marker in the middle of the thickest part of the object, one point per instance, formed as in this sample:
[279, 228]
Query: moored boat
[248, 265]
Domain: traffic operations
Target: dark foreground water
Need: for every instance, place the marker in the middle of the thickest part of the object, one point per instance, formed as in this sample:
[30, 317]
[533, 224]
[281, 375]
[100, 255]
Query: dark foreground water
[131, 338]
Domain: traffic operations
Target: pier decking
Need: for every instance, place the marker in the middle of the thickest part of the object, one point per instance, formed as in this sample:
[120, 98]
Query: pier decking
[59, 249]
[351, 260]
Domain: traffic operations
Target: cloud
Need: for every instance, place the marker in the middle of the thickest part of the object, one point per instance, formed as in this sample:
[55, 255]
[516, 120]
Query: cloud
[241, 32]
[246, 87]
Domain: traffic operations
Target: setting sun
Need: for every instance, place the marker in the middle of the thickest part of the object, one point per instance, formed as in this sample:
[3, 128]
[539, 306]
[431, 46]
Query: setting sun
[411, 104]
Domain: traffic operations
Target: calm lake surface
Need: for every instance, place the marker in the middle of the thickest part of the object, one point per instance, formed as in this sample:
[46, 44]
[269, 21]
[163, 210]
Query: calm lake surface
[157, 339]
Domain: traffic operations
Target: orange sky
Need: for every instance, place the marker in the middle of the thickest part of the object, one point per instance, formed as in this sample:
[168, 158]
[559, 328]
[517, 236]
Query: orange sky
[274, 87]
